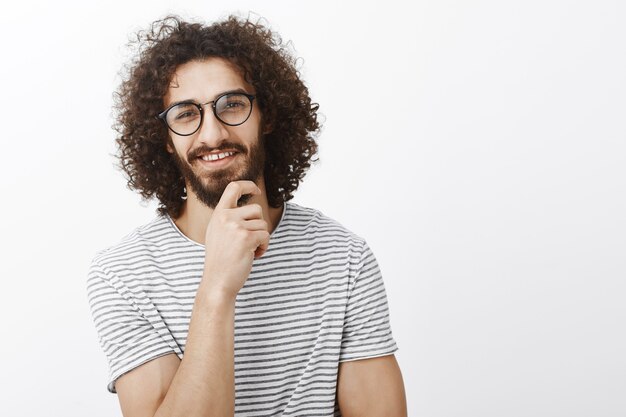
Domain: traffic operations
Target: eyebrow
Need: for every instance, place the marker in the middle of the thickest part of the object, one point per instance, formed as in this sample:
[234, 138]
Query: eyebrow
[237, 90]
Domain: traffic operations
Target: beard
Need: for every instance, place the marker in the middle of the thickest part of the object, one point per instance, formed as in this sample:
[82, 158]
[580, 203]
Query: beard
[209, 186]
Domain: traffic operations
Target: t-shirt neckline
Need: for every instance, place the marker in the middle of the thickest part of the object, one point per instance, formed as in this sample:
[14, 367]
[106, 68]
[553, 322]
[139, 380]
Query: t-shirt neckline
[184, 236]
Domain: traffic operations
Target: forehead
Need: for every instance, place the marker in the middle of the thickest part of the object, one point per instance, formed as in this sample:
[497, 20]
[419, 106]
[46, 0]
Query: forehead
[203, 80]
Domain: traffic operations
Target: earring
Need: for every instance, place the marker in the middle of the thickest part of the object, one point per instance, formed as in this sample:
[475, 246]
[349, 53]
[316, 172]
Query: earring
[184, 196]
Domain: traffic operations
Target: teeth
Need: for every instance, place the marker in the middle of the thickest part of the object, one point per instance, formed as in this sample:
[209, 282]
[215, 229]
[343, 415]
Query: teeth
[215, 157]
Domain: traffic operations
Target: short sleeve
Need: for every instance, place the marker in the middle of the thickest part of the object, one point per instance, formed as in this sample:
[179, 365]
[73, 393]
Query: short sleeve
[126, 336]
[367, 331]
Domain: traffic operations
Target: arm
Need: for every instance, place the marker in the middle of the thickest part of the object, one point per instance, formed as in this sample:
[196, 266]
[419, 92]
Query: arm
[202, 384]
[371, 387]
[167, 386]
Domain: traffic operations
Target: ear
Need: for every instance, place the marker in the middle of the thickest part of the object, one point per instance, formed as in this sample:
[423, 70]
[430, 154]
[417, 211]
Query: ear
[169, 148]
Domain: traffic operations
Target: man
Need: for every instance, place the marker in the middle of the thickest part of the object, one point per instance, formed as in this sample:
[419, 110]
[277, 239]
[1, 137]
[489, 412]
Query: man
[233, 301]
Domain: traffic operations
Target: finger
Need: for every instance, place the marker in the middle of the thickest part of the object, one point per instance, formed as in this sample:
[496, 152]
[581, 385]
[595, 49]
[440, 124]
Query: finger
[259, 252]
[264, 244]
[256, 224]
[248, 212]
[234, 191]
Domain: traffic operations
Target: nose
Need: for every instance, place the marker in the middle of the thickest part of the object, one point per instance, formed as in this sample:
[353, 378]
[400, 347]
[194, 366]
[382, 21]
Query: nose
[212, 132]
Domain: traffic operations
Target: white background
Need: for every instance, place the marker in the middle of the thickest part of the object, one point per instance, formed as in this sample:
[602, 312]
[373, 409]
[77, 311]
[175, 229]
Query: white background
[478, 146]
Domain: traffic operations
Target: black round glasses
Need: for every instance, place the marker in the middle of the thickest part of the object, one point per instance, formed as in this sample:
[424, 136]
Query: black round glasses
[185, 118]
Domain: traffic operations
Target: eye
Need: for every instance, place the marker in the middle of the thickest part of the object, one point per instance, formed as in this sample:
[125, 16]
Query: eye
[233, 103]
[184, 113]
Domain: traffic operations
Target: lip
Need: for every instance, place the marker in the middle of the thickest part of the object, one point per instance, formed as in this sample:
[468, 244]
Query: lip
[218, 163]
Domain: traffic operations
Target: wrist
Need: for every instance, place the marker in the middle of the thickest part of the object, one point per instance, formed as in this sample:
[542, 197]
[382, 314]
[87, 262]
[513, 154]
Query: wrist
[215, 293]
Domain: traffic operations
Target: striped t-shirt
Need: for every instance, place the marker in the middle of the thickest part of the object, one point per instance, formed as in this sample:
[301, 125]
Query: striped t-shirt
[314, 299]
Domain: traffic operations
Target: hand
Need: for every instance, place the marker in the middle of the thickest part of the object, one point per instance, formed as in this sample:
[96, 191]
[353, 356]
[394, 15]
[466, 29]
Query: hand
[234, 237]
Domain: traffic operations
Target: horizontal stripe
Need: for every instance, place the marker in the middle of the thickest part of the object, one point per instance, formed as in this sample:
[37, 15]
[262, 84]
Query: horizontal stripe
[315, 299]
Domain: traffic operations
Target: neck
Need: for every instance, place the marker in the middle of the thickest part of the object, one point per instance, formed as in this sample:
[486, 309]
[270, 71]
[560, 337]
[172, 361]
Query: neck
[195, 216]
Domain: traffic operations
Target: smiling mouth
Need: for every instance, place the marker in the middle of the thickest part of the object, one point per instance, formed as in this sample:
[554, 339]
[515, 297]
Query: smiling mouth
[217, 160]
[216, 156]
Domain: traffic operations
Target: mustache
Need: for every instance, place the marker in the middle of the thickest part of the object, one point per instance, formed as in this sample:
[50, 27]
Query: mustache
[223, 147]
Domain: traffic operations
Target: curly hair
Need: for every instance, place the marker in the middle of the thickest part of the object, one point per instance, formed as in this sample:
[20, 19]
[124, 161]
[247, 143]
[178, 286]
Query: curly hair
[267, 65]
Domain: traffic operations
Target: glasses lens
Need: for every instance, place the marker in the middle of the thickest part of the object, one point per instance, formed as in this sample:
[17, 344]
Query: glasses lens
[233, 109]
[184, 118]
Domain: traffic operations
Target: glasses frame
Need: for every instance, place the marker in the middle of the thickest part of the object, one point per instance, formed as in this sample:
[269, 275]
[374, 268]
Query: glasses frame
[163, 114]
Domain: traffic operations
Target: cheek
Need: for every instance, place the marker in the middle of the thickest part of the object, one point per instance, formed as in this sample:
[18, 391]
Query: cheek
[256, 118]
[249, 133]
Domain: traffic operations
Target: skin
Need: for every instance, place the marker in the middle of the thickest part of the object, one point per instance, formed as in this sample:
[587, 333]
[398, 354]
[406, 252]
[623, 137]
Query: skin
[216, 76]
[202, 383]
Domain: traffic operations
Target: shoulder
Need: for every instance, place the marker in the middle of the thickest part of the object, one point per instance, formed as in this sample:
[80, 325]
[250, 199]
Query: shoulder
[141, 242]
[316, 226]
[308, 230]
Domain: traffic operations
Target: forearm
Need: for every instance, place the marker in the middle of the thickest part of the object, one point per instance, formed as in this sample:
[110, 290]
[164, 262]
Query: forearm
[204, 384]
